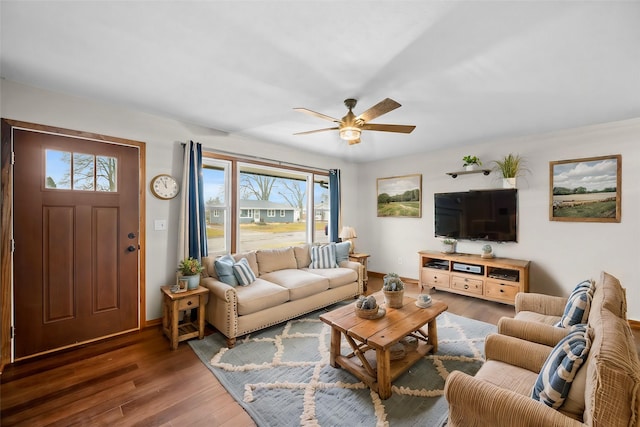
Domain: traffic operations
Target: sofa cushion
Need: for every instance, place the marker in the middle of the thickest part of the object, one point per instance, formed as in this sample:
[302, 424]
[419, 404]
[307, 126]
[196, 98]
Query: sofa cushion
[578, 305]
[557, 373]
[342, 252]
[337, 276]
[303, 255]
[299, 283]
[275, 259]
[260, 295]
[323, 256]
[243, 272]
[224, 270]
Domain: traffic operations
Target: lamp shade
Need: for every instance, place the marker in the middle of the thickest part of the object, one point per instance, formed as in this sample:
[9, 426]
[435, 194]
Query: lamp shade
[347, 233]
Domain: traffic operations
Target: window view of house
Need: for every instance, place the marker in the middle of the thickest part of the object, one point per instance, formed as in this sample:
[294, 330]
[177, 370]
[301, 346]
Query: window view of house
[273, 206]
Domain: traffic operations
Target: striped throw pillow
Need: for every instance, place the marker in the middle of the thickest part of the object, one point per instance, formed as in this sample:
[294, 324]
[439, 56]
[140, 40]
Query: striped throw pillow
[557, 374]
[578, 304]
[323, 256]
[243, 272]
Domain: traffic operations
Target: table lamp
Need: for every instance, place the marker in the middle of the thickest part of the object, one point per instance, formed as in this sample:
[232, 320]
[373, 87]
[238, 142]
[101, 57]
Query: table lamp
[348, 234]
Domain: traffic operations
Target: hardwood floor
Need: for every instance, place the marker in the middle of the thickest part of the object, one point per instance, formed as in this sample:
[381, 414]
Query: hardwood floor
[136, 380]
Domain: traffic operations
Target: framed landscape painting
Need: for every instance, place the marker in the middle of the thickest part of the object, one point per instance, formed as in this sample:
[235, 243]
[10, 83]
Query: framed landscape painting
[400, 196]
[587, 190]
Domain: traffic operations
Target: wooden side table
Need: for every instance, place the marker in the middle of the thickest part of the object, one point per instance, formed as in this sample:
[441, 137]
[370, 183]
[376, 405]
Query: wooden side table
[362, 259]
[172, 304]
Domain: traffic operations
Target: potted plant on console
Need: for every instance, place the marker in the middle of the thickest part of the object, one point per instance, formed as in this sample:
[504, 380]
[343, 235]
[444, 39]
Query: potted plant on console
[190, 269]
[510, 167]
[449, 246]
[393, 289]
[471, 163]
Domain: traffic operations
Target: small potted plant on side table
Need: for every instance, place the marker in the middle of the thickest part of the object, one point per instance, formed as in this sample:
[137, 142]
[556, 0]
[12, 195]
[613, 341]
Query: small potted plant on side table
[393, 289]
[189, 270]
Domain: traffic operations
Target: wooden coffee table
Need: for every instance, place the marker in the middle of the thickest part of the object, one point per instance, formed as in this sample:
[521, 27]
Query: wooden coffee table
[371, 340]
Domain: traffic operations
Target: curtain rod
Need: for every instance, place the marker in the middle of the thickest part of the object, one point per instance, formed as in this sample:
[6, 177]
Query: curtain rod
[263, 159]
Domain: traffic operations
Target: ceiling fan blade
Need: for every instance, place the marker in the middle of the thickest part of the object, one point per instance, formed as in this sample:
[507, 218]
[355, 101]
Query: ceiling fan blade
[389, 128]
[382, 107]
[314, 131]
[316, 114]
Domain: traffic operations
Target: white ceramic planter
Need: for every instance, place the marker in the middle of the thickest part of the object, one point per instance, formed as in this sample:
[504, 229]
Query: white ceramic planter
[508, 182]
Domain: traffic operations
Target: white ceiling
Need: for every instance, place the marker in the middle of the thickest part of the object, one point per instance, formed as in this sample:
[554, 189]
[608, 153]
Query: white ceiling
[464, 72]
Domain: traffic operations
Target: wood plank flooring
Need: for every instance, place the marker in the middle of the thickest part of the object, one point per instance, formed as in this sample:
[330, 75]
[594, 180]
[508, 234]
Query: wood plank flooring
[135, 380]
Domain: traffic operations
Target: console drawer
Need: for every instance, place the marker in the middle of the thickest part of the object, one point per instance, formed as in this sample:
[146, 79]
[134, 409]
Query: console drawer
[501, 290]
[434, 278]
[467, 284]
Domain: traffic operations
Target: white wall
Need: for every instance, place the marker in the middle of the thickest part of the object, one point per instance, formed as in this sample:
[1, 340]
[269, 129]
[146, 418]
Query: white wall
[561, 253]
[164, 155]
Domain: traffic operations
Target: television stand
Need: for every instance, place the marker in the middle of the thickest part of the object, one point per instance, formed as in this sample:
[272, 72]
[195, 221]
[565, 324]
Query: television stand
[493, 279]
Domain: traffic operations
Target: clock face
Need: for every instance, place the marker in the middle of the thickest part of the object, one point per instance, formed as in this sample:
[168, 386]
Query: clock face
[164, 187]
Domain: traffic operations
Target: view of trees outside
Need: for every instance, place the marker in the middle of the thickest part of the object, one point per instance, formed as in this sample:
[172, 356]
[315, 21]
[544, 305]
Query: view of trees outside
[90, 173]
[272, 208]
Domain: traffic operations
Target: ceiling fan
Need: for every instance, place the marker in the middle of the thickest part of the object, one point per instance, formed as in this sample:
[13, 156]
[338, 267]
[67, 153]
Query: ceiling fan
[350, 126]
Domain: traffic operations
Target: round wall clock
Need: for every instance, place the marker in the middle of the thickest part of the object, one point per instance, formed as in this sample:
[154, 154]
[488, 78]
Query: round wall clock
[164, 186]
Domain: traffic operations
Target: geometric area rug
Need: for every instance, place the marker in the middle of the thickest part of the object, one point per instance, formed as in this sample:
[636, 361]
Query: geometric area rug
[281, 375]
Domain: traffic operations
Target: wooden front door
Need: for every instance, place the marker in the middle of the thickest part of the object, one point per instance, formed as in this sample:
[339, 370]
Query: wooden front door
[76, 232]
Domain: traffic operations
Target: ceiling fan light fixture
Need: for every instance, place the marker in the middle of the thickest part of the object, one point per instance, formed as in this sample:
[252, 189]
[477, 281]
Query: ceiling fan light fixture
[350, 133]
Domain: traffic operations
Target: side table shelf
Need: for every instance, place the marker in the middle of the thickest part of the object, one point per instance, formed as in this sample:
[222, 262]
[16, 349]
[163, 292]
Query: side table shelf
[173, 304]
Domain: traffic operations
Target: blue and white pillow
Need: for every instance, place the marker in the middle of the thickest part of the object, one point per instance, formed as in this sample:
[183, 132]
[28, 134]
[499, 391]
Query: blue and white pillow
[578, 305]
[224, 269]
[557, 374]
[323, 256]
[243, 272]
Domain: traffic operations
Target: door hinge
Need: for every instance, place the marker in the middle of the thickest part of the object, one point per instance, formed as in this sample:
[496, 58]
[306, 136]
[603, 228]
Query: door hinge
[13, 245]
[13, 332]
[13, 157]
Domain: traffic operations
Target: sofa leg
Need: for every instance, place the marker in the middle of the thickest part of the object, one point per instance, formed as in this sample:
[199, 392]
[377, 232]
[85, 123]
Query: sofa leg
[231, 342]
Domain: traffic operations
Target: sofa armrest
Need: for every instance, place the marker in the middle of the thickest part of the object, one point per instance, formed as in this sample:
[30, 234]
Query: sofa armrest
[540, 303]
[532, 331]
[358, 268]
[514, 351]
[219, 289]
[473, 402]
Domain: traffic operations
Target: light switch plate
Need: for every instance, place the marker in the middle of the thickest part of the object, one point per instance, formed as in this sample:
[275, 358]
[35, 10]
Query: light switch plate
[160, 224]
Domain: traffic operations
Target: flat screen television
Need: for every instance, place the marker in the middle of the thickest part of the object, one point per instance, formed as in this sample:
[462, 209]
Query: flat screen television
[490, 215]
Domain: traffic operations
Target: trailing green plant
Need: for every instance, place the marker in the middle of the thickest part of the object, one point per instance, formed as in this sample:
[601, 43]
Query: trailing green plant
[190, 267]
[392, 282]
[511, 166]
[471, 160]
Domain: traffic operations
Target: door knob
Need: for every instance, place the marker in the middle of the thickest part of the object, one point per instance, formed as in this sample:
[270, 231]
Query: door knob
[131, 235]
[131, 248]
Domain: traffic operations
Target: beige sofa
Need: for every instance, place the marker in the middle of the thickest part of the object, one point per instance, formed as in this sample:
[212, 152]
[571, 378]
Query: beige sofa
[285, 288]
[605, 391]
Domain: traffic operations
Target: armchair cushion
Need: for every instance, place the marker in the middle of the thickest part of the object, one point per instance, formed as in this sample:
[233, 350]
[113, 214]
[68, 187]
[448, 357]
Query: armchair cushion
[578, 305]
[558, 372]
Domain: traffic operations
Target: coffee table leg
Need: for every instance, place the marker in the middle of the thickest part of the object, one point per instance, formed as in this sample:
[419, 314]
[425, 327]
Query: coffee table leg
[336, 338]
[384, 372]
[433, 334]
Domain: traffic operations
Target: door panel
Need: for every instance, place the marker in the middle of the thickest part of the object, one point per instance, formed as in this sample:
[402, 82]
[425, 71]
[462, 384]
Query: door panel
[74, 278]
